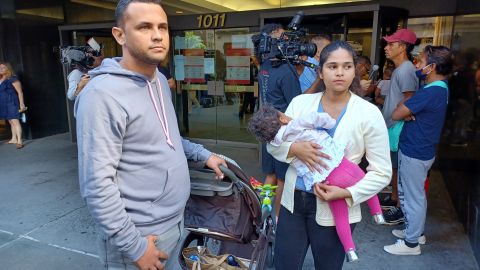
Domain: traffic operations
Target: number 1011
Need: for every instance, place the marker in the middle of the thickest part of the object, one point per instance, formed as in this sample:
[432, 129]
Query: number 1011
[211, 21]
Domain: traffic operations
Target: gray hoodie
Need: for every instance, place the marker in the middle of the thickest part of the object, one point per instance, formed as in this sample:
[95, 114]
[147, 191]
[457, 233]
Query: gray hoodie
[133, 182]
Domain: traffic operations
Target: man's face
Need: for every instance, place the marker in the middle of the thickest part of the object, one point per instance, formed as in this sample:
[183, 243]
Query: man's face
[362, 69]
[277, 33]
[394, 49]
[144, 33]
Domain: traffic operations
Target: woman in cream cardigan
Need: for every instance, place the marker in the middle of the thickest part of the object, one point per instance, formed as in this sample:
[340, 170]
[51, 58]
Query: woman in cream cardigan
[305, 218]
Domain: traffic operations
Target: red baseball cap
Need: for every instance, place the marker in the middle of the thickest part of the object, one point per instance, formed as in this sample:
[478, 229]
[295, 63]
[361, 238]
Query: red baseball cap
[404, 35]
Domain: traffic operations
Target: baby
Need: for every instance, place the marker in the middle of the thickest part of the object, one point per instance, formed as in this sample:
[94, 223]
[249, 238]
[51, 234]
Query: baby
[271, 126]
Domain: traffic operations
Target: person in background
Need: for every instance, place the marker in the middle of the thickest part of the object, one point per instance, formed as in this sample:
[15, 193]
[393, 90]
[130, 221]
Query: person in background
[249, 99]
[78, 77]
[11, 103]
[166, 72]
[363, 68]
[278, 85]
[383, 87]
[309, 80]
[425, 113]
[133, 170]
[403, 85]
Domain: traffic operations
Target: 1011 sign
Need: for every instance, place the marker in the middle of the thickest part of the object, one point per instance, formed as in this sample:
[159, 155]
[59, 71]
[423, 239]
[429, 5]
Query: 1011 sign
[211, 21]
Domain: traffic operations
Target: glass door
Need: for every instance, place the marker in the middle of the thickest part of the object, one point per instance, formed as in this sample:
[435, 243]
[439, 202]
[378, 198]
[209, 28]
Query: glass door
[215, 75]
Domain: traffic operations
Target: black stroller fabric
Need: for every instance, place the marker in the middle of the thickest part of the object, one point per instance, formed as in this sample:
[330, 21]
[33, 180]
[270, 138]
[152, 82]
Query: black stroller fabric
[229, 217]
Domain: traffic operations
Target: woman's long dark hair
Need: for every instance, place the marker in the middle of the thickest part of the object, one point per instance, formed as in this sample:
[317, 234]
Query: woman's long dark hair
[328, 50]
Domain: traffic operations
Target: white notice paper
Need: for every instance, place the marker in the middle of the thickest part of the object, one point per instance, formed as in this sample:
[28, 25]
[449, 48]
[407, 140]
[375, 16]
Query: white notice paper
[179, 63]
[209, 65]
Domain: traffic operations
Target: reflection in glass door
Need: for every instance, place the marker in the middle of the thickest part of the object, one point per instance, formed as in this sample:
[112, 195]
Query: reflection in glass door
[215, 78]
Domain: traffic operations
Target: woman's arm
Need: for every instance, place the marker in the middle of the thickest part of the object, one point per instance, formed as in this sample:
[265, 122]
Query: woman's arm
[18, 87]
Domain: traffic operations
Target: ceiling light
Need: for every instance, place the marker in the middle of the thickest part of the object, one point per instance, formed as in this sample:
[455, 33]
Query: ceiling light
[179, 11]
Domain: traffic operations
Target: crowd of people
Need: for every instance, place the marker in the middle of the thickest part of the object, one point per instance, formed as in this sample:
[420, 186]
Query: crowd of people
[399, 148]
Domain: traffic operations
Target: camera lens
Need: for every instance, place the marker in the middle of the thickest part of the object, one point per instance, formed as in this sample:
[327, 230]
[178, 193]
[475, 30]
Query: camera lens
[308, 49]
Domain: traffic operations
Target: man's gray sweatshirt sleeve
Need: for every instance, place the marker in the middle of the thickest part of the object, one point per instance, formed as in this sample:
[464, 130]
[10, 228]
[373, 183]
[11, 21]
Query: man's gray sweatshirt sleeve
[195, 151]
[101, 124]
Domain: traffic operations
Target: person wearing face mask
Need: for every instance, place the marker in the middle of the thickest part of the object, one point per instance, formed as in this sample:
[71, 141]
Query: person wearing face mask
[403, 84]
[424, 115]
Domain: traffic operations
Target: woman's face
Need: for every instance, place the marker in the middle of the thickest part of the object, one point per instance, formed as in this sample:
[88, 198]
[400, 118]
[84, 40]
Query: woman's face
[338, 71]
[3, 70]
[421, 62]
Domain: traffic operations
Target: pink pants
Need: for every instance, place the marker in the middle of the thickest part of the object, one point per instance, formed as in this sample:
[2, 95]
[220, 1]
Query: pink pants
[346, 175]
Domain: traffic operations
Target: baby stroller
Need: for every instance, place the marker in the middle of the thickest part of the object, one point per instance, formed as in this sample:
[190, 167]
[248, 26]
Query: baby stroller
[227, 214]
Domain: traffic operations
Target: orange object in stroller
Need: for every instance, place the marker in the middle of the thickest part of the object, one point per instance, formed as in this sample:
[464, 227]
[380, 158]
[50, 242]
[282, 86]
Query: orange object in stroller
[229, 213]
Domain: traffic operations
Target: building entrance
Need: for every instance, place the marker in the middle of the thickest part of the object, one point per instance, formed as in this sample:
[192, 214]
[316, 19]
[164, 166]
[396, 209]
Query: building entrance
[217, 86]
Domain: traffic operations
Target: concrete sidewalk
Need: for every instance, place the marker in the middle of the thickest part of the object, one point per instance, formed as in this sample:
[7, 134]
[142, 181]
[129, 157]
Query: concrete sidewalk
[44, 224]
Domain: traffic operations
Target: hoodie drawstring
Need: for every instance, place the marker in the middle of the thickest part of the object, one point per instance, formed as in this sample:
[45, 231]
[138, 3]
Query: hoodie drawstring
[164, 122]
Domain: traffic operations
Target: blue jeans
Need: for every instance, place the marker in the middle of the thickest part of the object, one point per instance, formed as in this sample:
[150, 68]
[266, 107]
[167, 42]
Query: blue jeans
[297, 231]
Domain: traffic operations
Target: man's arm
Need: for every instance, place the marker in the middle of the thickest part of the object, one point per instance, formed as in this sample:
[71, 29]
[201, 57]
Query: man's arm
[101, 124]
[196, 152]
[73, 79]
[314, 87]
[172, 84]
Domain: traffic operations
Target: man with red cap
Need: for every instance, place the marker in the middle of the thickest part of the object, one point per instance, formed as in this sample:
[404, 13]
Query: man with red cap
[403, 85]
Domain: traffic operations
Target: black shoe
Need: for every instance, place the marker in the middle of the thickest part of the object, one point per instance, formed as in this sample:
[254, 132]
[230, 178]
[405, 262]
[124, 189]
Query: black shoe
[387, 203]
[394, 216]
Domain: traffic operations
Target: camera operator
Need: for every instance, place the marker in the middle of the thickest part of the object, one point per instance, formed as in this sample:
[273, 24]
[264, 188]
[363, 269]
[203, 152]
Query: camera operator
[278, 84]
[309, 79]
[78, 77]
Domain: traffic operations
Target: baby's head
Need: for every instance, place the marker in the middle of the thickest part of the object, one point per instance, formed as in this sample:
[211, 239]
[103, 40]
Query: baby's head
[266, 122]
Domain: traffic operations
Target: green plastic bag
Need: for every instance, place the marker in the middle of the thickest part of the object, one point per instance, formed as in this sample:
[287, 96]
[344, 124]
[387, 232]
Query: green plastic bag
[394, 135]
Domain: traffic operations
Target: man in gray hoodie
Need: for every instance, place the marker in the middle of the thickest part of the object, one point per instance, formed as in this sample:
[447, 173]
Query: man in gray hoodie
[132, 160]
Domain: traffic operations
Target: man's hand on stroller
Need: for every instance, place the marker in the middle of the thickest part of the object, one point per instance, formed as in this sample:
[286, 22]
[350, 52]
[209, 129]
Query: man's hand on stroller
[214, 162]
[150, 260]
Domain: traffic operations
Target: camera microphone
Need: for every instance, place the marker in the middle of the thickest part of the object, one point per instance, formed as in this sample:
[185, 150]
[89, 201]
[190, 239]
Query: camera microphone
[296, 20]
[373, 72]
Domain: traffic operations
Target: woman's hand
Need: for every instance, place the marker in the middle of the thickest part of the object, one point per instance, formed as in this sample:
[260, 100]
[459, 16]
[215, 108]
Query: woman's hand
[329, 193]
[310, 154]
[22, 108]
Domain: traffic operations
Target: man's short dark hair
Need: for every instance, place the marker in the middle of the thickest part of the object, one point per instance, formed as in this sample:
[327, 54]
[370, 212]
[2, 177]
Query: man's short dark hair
[270, 27]
[319, 37]
[123, 4]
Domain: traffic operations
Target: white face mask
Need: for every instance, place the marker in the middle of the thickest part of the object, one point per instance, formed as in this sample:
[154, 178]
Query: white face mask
[426, 67]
